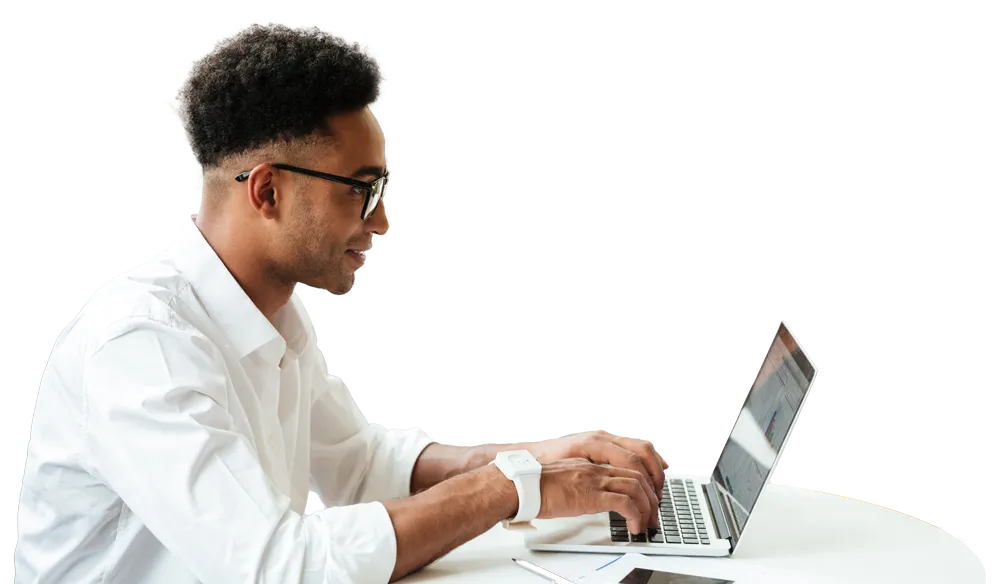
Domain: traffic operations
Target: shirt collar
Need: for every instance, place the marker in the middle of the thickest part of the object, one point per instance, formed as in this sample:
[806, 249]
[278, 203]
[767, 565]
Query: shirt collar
[244, 325]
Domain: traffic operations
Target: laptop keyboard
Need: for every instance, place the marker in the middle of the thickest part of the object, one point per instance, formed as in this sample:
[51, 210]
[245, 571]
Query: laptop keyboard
[681, 519]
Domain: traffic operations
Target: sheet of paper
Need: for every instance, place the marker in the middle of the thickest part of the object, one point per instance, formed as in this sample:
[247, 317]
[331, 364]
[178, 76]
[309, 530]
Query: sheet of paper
[605, 574]
[614, 572]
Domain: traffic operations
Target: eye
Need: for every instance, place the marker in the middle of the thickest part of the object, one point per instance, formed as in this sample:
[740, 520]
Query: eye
[359, 191]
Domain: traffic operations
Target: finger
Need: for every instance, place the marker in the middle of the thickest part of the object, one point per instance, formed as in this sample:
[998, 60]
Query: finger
[653, 518]
[629, 489]
[624, 506]
[623, 458]
[651, 459]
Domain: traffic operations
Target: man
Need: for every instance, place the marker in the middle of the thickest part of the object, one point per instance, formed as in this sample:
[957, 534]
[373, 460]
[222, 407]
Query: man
[186, 412]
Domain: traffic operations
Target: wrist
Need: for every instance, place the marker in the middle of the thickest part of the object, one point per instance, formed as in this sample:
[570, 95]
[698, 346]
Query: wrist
[482, 455]
[505, 490]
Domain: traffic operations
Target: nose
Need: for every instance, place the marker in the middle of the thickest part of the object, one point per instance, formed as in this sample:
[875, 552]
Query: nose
[378, 222]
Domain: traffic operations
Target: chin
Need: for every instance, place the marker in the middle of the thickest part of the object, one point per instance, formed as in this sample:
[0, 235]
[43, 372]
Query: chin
[342, 286]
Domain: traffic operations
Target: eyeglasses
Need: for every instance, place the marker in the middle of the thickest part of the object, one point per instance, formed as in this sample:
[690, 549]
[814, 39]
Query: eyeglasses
[373, 190]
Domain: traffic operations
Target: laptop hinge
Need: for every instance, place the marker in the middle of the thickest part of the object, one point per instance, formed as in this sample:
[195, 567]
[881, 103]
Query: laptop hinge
[719, 516]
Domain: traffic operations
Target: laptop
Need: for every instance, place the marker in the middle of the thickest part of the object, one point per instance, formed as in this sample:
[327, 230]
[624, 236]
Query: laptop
[705, 516]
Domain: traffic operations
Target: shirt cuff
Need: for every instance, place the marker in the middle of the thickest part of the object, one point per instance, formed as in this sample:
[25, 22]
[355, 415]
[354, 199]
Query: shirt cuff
[362, 544]
[391, 469]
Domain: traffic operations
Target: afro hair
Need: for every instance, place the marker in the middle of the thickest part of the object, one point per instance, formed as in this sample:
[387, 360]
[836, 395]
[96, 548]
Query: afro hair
[271, 87]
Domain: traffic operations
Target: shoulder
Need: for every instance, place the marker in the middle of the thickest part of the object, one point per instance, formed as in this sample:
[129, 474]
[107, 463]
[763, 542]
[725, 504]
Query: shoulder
[150, 296]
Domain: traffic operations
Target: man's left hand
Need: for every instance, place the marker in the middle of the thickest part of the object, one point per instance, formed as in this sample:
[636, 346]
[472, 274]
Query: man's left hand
[602, 447]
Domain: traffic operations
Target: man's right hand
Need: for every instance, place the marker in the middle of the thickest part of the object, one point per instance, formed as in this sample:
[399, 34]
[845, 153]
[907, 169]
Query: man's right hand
[576, 486]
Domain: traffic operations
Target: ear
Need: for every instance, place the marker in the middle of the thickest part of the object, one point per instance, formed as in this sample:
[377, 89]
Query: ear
[263, 190]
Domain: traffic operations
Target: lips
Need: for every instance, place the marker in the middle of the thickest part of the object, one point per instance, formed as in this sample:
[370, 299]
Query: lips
[356, 255]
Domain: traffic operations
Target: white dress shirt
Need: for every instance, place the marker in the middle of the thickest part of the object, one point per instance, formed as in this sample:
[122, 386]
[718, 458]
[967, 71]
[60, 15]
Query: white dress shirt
[178, 431]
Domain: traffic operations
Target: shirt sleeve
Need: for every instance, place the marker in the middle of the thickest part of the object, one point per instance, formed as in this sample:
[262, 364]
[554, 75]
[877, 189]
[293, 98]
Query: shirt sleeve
[158, 432]
[351, 460]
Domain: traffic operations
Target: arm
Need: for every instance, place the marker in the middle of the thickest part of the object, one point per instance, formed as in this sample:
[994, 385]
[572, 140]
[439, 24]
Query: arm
[436, 521]
[158, 432]
[440, 462]
[352, 461]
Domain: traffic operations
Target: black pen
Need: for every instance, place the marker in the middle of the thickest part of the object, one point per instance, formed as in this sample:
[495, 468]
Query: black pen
[541, 571]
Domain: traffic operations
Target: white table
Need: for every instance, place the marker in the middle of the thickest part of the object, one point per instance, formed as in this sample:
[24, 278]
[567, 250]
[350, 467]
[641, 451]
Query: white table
[800, 536]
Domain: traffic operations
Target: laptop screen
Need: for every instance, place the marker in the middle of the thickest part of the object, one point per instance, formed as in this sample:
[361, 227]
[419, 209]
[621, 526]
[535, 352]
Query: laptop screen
[762, 427]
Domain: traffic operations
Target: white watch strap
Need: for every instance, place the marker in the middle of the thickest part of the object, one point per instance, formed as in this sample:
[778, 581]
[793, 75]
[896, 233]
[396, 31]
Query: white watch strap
[529, 500]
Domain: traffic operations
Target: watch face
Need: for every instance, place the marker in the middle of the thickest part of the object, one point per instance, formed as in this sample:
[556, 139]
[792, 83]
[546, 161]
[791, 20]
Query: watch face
[520, 462]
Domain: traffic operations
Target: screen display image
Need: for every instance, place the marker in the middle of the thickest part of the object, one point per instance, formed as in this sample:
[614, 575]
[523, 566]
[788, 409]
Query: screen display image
[643, 576]
[762, 426]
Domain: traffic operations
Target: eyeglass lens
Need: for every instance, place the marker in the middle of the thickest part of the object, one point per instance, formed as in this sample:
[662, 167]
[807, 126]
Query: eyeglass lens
[377, 189]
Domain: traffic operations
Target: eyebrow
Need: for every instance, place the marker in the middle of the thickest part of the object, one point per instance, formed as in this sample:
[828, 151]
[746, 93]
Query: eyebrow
[369, 170]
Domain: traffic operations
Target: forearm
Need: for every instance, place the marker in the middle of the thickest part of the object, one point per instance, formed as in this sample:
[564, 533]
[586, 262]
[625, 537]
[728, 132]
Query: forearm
[440, 462]
[436, 521]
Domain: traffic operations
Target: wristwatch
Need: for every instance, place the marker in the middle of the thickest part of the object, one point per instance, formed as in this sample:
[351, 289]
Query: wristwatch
[522, 468]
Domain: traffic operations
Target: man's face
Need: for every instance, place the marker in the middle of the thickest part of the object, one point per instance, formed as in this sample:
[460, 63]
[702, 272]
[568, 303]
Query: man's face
[325, 217]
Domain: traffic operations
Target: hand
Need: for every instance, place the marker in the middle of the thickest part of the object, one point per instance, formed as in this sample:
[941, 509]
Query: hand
[574, 487]
[604, 448]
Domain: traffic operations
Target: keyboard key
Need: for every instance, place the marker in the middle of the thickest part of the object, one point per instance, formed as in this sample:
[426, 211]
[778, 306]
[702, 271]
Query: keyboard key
[658, 538]
[618, 537]
[673, 539]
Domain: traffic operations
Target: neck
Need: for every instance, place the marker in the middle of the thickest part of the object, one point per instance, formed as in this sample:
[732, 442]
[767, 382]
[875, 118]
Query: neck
[246, 261]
